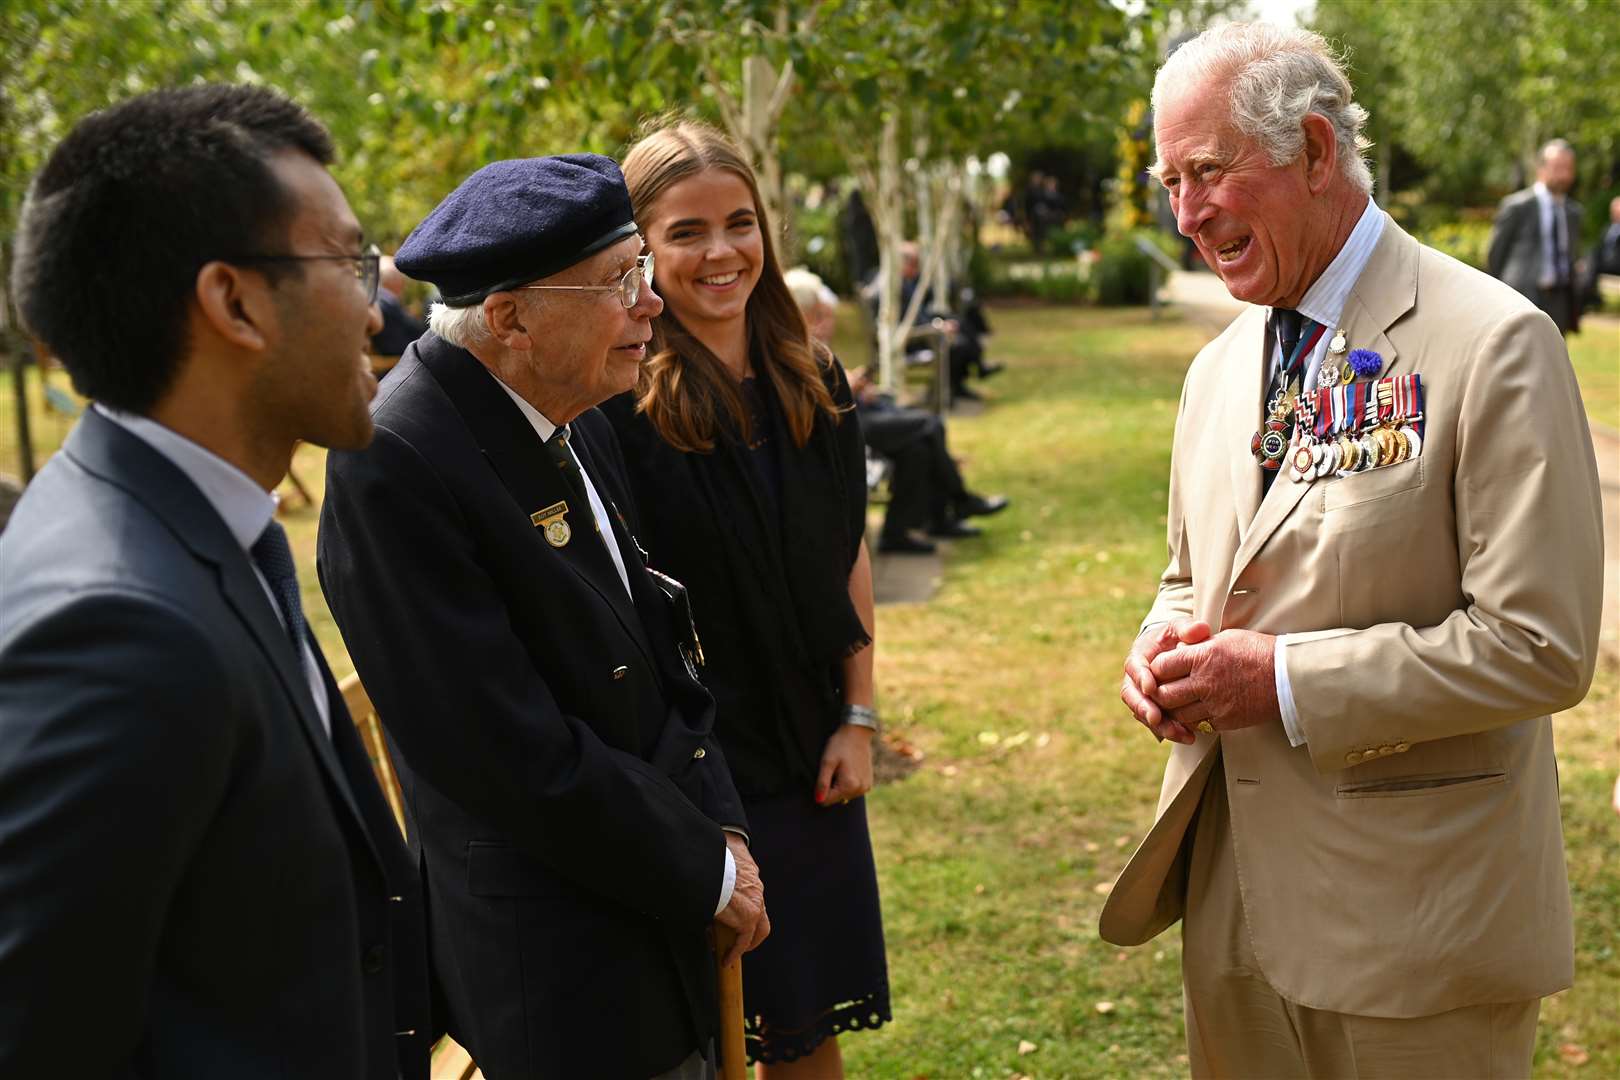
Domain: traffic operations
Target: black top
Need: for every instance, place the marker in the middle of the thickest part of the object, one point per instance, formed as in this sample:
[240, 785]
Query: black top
[555, 753]
[767, 566]
[764, 445]
[197, 881]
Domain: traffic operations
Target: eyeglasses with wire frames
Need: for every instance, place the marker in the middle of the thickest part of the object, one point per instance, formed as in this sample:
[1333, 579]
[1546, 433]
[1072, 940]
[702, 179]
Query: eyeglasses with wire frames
[628, 287]
[366, 265]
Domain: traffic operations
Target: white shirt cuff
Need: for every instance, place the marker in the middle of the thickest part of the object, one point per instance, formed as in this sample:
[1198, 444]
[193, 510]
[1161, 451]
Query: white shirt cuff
[1285, 694]
[728, 884]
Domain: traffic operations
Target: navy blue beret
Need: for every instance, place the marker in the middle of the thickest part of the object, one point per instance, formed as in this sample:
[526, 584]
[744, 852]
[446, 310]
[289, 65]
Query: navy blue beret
[513, 222]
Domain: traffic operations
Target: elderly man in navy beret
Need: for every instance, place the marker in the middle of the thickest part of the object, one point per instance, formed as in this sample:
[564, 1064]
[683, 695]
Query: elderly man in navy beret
[574, 817]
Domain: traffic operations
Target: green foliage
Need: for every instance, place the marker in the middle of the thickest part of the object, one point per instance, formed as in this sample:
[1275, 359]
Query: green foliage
[1123, 274]
[1470, 88]
[1467, 241]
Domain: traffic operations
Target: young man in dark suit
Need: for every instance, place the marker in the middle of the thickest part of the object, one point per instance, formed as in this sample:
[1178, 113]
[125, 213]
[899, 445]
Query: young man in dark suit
[198, 874]
[578, 825]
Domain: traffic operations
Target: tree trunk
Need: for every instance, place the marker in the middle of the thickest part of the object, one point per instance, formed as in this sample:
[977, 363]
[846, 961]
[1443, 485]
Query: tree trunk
[17, 351]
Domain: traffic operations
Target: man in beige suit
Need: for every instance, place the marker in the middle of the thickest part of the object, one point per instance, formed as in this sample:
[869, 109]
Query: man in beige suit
[1365, 620]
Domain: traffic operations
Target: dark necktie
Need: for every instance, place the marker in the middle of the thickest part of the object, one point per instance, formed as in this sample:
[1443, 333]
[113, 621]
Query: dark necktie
[274, 559]
[1286, 326]
[1560, 257]
[557, 450]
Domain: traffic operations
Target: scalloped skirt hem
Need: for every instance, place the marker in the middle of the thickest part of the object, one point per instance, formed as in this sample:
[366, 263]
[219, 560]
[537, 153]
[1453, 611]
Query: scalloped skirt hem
[773, 1045]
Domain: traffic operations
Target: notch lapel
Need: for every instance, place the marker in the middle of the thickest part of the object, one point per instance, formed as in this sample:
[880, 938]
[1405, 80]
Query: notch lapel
[514, 451]
[147, 476]
[1243, 413]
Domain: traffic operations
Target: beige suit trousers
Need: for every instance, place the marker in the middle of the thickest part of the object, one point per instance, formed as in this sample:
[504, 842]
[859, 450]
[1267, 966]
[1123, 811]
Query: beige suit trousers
[1239, 1027]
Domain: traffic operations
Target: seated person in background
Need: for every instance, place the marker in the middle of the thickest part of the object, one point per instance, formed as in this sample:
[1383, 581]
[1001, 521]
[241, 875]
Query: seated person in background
[1605, 257]
[400, 327]
[966, 330]
[926, 488]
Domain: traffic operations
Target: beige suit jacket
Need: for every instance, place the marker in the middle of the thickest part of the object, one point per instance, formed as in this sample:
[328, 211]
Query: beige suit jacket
[1408, 860]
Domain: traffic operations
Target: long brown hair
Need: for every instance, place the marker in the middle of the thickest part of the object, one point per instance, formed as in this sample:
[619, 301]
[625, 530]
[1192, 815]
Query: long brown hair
[684, 389]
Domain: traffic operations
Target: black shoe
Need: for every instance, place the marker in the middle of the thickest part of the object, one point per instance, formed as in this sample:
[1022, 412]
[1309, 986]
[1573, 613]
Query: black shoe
[971, 505]
[965, 394]
[954, 530]
[989, 368]
[904, 544]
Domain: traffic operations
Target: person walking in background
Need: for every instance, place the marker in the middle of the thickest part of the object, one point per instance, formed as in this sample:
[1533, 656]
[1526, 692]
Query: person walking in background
[1359, 823]
[746, 457]
[1535, 236]
[577, 823]
[199, 876]
[926, 489]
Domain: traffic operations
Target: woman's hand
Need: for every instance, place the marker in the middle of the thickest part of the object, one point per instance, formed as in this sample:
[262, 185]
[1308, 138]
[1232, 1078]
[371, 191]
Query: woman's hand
[846, 766]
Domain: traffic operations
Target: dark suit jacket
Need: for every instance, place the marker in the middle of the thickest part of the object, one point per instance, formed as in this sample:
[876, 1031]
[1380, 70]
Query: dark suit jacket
[399, 327]
[195, 881]
[1516, 249]
[554, 752]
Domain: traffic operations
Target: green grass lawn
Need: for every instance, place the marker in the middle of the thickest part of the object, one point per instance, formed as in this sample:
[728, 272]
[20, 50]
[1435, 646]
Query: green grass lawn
[1595, 352]
[995, 855]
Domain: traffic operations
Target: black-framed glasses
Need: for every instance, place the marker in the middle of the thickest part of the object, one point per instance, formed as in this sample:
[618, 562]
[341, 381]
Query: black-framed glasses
[366, 265]
[629, 286]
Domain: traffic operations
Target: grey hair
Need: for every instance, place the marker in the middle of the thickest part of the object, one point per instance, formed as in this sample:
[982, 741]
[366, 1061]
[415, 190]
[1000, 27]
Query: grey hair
[1275, 78]
[1555, 146]
[460, 326]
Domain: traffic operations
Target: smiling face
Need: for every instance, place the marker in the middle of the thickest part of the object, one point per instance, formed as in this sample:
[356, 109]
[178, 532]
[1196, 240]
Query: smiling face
[578, 348]
[704, 234]
[1250, 219]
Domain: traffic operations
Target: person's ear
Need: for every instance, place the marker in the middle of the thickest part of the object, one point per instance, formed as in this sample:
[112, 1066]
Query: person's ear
[237, 305]
[1321, 152]
[506, 322]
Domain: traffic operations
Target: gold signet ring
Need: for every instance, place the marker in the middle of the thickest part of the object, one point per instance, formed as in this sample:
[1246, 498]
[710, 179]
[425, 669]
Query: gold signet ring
[1206, 727]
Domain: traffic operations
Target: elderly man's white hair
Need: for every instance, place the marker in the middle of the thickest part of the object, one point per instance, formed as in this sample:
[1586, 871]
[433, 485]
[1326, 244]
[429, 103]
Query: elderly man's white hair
[807, 288]
[461, 326]
[1275, 77]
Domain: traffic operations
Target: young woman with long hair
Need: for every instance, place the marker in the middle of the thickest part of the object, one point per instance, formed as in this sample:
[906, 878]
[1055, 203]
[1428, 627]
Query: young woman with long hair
[749, 470]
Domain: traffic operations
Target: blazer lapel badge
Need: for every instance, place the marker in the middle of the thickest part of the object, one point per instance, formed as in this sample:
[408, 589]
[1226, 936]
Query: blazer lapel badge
[553, 524]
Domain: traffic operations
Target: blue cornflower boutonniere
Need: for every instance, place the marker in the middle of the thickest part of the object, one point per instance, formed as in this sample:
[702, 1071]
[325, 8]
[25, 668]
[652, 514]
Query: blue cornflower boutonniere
[1365, 363]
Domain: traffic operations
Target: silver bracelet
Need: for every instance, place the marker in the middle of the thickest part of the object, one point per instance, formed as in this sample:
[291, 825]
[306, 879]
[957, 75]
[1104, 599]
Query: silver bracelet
[861, 716]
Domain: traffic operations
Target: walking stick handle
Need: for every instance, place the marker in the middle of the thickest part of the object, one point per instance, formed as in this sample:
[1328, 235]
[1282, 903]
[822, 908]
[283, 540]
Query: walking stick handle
[733, 1056]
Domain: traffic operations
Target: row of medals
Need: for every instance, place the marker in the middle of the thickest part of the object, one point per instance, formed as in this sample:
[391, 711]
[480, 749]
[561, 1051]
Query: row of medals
[1388, 443]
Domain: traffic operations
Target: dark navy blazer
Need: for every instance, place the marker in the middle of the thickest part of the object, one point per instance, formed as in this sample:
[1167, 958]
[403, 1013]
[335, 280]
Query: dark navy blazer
[555, 752]
[195, 880]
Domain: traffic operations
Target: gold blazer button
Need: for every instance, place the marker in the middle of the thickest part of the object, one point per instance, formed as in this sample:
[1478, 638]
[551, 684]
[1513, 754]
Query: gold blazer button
[1401, 748]
[620, 672]
[699, 754]
[1353, 757]
[1385, 751]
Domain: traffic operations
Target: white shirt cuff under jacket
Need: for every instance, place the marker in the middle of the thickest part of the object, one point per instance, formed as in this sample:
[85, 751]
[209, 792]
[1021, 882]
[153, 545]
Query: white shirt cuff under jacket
[1285, 694]
[728, 884]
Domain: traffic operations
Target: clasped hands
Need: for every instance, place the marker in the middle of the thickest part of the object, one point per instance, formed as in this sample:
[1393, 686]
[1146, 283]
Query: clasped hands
[1178, 677]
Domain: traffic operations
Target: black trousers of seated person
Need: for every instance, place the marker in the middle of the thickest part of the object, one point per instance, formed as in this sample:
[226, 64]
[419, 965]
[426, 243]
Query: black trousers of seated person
[925, 481]
[966, 357]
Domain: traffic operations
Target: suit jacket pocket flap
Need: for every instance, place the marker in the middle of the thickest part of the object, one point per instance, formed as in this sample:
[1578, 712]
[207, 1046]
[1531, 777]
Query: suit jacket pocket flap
[1358, 488]
[496, 869]
[1420, 785]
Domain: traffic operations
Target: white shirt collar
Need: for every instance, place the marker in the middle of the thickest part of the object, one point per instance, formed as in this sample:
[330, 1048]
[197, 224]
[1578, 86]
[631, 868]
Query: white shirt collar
[1324, 301]
[1544, 193]
[236, 497]
[534, 416]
